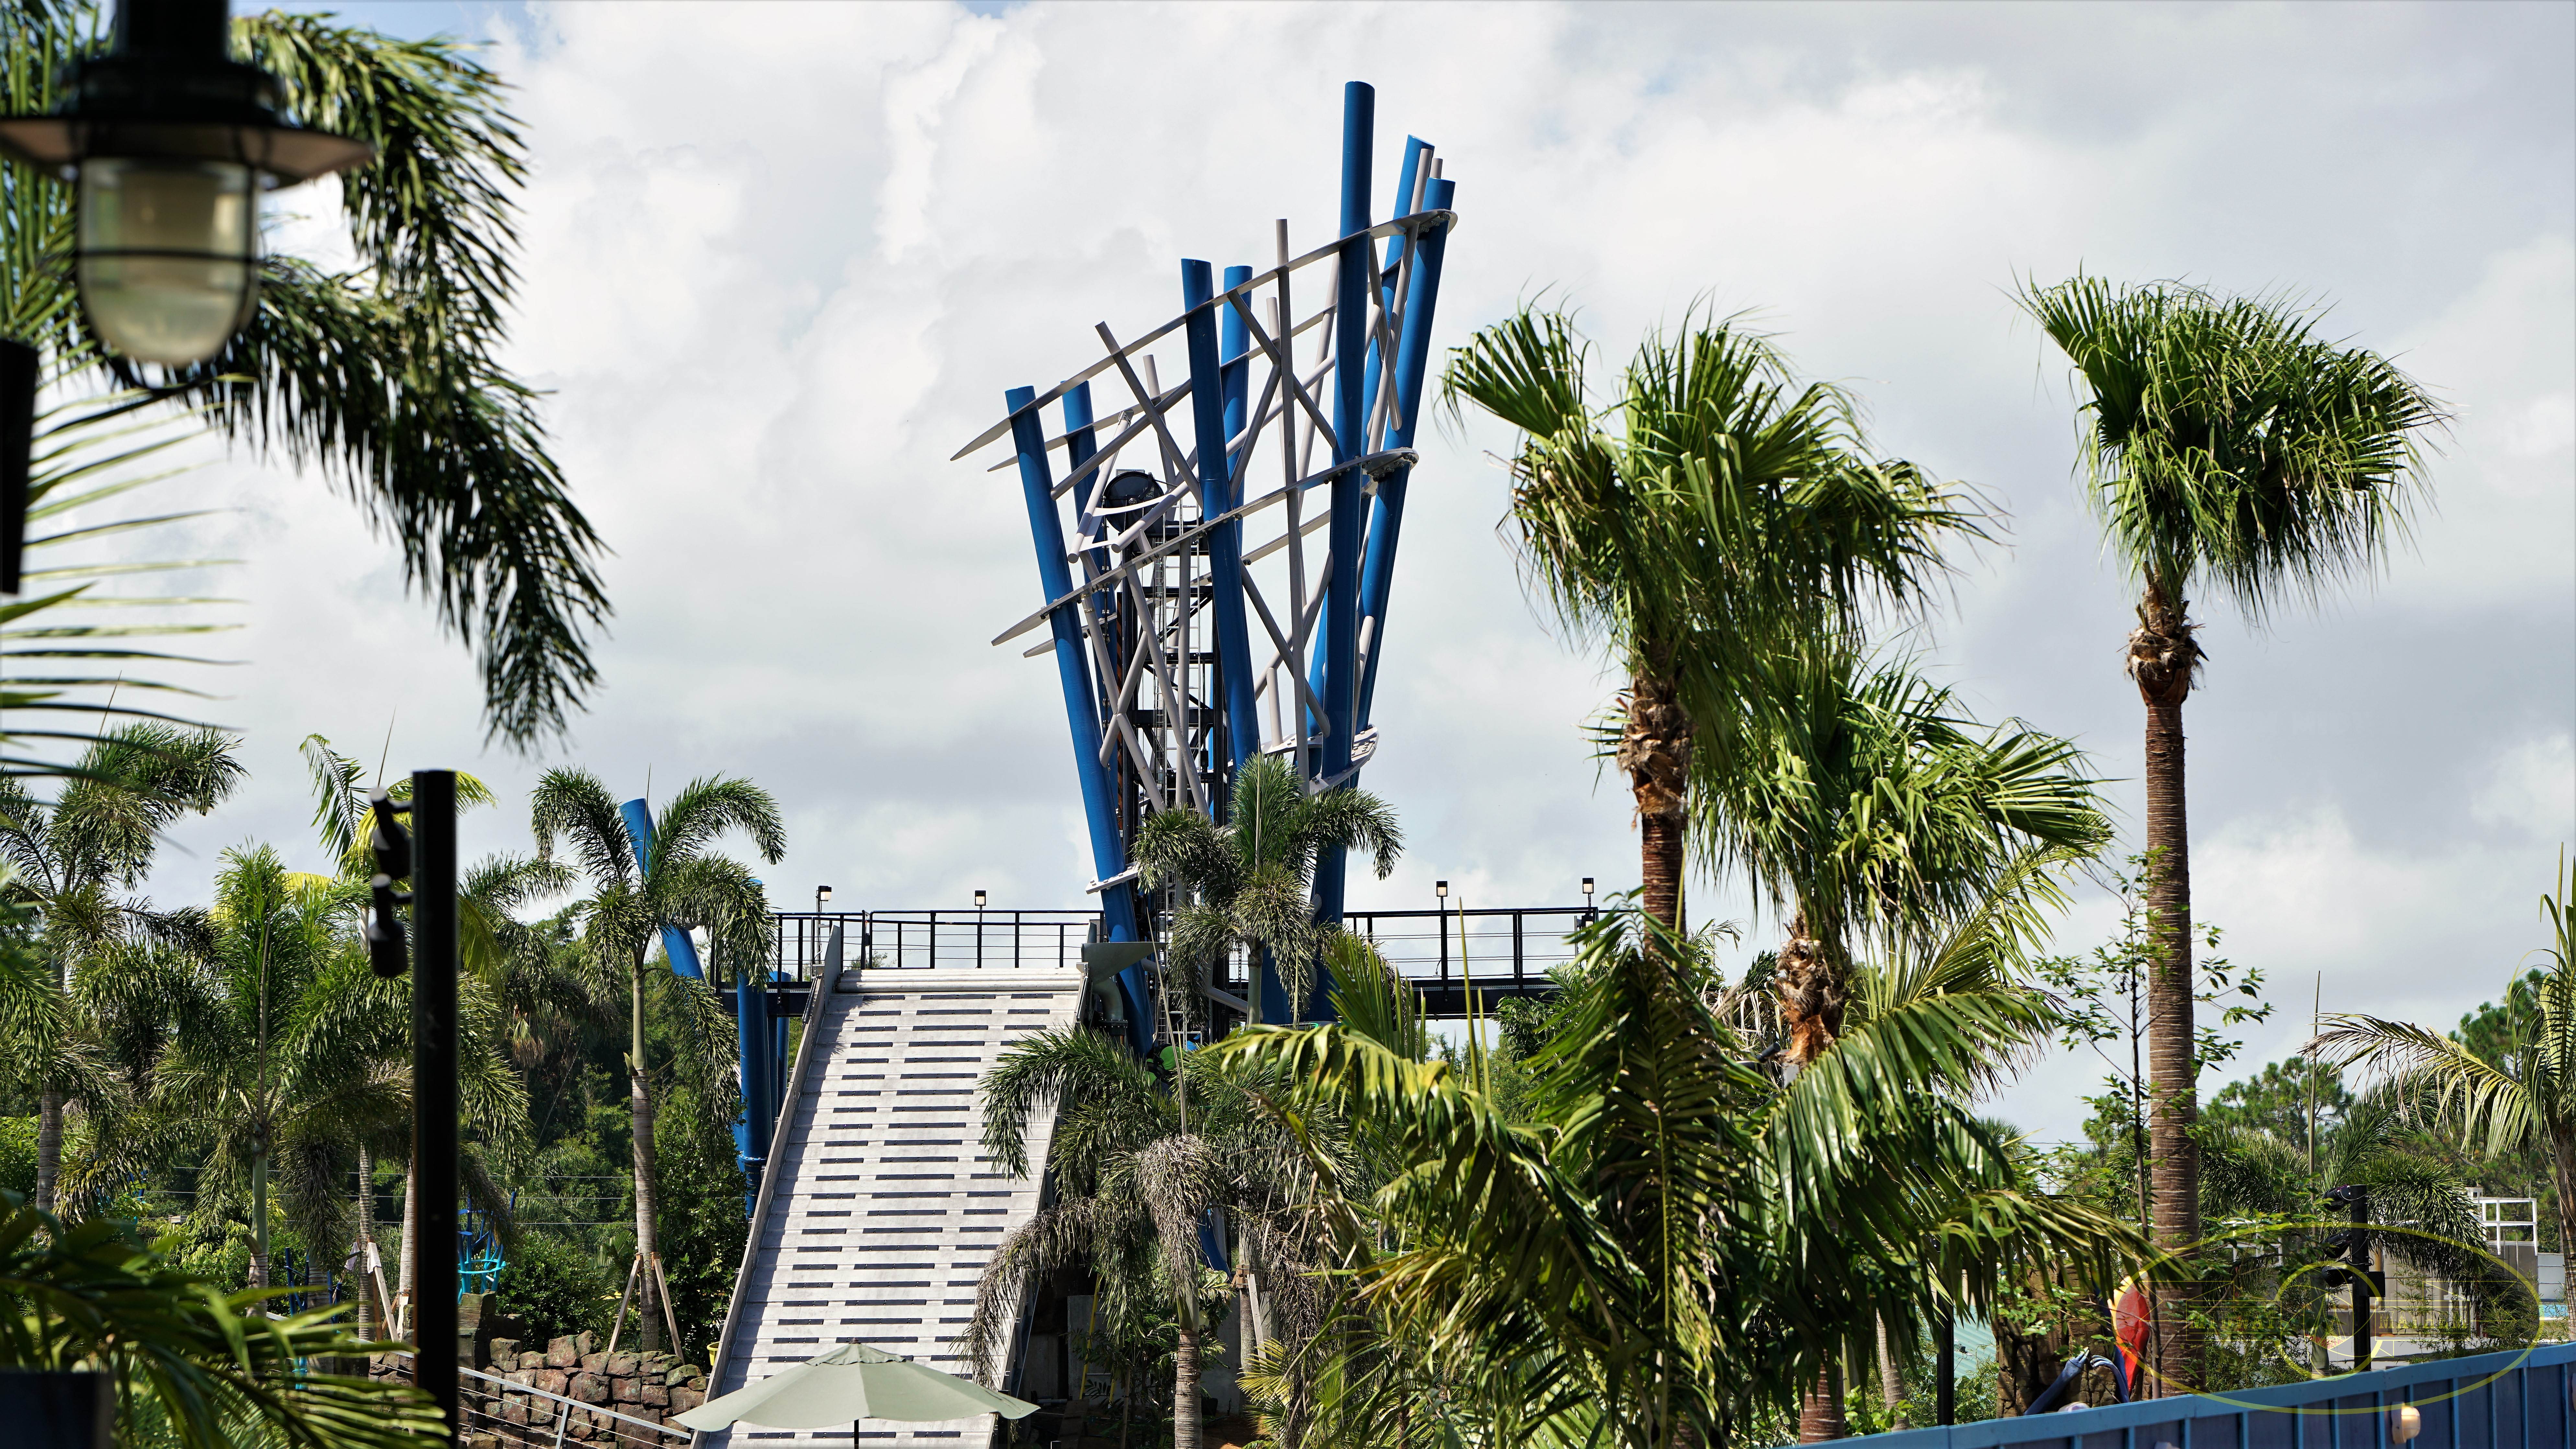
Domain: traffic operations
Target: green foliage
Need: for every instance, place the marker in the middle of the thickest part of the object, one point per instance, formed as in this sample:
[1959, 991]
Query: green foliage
[2225, 439]
[703, 1223]
[18, 1156]
[1245, 886]
[2277, 1100]
[205, 1368]
[556, 1287]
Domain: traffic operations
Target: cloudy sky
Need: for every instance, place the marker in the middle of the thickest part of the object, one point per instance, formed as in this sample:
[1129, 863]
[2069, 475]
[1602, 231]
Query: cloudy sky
[781, 261]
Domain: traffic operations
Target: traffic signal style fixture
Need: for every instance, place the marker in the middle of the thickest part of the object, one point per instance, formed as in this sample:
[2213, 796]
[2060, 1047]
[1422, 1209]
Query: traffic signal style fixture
[2348, 1257]
[391, 846]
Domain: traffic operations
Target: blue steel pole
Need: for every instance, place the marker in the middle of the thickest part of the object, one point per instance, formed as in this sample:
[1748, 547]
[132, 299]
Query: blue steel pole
[1217, 488]
[1412, 359]
[1082, 711]
[1414, 146]
[1350, 419]
[675, 942]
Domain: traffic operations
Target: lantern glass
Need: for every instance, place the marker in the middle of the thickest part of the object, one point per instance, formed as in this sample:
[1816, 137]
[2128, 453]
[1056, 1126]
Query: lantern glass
[168, 254]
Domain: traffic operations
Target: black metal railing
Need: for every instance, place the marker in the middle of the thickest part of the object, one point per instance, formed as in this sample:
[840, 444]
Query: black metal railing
[1499, 950]
[967, 940]
[1492, 948]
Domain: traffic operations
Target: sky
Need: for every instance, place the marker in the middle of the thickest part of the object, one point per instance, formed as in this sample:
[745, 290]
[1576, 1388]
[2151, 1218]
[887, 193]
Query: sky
[781, 261]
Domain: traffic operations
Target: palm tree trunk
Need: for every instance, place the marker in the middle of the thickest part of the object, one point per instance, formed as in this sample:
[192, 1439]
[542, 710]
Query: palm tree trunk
[2162, 659]
[1185, 1388]
[1812, 994]
[1820, 1414]
[49, 1147]
[1655, 750]
[1891, 1382]
[366, 1236]
[648, 1243]
[407, 1271]
[259, 1217]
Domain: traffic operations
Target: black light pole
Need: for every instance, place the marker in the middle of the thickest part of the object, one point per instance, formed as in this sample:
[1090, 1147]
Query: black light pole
[1945, 1368]
[433, 1076]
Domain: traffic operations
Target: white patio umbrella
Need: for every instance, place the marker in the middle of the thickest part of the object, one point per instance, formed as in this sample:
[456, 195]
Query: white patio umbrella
[852, 1383]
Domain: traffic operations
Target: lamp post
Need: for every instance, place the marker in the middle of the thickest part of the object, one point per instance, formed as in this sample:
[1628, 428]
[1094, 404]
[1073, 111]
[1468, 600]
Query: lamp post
[1440, 888]
[979, 930]
[167, 142]
[1589, 915]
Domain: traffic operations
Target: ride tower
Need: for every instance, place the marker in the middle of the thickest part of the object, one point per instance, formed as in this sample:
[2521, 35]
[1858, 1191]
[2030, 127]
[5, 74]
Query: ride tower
[1291, 403]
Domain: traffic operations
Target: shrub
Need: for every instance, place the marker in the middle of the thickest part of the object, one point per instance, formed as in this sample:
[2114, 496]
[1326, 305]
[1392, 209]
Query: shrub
[556, 1288]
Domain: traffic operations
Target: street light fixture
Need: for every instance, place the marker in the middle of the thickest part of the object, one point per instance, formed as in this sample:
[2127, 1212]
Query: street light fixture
[168, 141]
[1587, 898]
[822, 898]
[979, 900]
[1440, 888]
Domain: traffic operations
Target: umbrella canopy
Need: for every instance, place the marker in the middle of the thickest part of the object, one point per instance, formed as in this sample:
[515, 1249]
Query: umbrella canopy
[850, 1383]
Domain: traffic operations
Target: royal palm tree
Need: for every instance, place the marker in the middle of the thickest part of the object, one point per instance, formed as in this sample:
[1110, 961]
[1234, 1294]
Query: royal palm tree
[73, 855]
[2225, 444]
[1245, 884]
[1710, 511]
[1866, 805]
[386, 376]
[679, 886]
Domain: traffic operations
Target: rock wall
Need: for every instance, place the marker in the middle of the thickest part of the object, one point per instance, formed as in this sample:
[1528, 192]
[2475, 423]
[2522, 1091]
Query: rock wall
[647, 1386]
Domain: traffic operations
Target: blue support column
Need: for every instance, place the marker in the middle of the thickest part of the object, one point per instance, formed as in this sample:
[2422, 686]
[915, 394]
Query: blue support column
[1081, 708]
[1412, 361]
[1341, 622]
[1217, 487]
[675, 942]
[1414, 146]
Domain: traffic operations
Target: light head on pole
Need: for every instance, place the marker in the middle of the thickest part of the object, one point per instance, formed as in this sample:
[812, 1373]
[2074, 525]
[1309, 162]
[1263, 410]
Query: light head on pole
[168, 141]
[979, 900]
[1440, 888]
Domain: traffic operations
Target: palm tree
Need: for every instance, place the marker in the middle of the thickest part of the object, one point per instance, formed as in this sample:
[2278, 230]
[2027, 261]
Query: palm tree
[1244, 885]
[2523, 1100]
[71, 856]
[2225, 443]
[679, 886]
[289, 1052]
[385, 376]
[1673, 1253]
[1710, 512]
[1866, 804]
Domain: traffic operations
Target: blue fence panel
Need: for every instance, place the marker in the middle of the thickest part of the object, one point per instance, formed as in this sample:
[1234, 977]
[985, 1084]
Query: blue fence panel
[2516, 1400]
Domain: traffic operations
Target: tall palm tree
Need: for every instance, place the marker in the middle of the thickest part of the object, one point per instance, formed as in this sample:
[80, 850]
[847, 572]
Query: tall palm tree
[1244, 885]
[71, 856]
[386, 376]
[2225, 444]
[1866, 804]
[680, 886]
[1711, 510]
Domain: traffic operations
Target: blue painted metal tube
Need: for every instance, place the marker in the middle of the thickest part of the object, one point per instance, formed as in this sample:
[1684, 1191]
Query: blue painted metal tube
[1082, 710]
[1412, 361]
[1414, 146]
[1080, 445]
[1341, 623]
[675, 942]
[1217, 486]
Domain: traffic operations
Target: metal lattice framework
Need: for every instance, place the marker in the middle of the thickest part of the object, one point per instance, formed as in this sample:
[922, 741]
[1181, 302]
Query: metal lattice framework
[1151, 598]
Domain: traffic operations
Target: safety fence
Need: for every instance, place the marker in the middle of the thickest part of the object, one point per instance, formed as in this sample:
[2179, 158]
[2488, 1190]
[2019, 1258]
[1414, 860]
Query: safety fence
[2519, 1400]
[967, 940]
